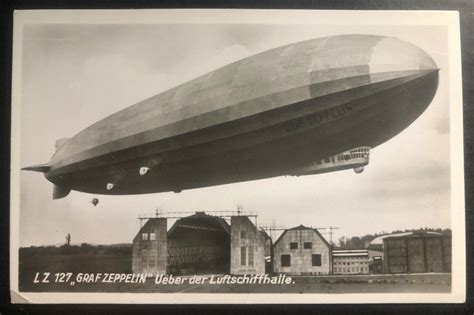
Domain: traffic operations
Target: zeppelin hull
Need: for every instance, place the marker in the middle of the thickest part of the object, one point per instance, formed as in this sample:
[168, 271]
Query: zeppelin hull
[367, 116]
[255, 118]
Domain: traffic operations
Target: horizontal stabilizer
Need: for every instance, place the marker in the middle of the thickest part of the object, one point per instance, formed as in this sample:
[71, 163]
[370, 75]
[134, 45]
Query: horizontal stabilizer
[43, 168]
[60, 192]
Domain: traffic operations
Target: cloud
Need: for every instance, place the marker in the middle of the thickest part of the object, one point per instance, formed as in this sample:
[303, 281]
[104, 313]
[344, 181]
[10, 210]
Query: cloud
[442, 126]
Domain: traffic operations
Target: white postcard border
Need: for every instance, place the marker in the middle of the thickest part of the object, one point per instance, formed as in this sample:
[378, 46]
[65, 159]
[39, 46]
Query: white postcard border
[226, 16]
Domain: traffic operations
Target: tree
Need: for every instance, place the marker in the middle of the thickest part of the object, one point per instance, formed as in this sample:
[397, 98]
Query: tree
[342, 241]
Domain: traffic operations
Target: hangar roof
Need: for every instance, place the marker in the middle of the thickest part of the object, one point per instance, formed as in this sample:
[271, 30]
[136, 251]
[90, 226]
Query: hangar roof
[202, 221]
[377, 243]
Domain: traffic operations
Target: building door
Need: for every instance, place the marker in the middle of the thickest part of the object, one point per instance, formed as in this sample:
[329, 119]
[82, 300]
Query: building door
[416, 255]
[434, 255]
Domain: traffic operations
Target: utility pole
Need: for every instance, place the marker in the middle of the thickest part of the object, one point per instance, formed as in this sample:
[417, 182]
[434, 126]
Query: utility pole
[331, 229]
[331, 232]
[272, 228]
[272, 231]
[239, 208]
[68, 239]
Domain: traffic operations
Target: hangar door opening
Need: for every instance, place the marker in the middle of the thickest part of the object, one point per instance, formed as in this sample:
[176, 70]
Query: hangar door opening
[199, 244]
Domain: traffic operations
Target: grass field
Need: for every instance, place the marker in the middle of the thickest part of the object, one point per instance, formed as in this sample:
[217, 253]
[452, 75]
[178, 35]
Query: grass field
[119, 261]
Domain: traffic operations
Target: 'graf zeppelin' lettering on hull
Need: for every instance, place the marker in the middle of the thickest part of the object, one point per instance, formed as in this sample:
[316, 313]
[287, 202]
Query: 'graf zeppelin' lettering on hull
[246, 121]
[319, 118]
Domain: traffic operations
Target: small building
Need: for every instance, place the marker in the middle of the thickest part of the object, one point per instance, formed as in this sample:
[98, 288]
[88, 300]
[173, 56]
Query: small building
[349, 262]
[417, 252]
[375, 250]
[247, 247]
[302, 251]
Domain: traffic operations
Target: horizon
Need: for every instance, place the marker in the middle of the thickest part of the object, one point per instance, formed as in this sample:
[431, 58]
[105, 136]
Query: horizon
[375, 235]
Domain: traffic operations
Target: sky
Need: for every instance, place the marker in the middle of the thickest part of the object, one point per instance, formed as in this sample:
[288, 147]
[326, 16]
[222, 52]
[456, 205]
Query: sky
[75, 75]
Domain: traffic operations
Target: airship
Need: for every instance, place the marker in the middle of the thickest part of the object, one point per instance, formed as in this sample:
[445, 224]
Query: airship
[279, 112]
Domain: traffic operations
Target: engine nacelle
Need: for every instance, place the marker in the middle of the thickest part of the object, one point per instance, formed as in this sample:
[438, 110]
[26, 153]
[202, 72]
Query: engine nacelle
[359, 169]
[143, 170]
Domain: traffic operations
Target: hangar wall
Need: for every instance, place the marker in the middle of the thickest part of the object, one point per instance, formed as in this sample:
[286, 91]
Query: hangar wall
[247, 247]
[417, 253]
[150, 248]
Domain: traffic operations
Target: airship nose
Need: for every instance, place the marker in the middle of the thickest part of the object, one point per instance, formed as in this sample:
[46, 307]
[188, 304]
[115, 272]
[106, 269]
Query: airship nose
[391, 54]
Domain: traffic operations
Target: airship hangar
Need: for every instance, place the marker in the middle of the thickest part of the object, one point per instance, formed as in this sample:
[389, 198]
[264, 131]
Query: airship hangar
[321, 97]
[201, 243]
[234, 242]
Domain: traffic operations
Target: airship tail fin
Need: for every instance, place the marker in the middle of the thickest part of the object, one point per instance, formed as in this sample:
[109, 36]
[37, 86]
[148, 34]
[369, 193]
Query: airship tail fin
[60, 142]
[60, 192]
[43, 168]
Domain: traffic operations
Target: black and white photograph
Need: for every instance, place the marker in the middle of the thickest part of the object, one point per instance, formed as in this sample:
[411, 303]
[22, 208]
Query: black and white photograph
[237, 156]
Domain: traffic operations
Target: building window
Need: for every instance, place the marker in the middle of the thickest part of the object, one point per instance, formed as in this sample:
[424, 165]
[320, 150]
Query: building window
[251, 255]
[152, 236]
[243, 234]
[285, 260]
[307, 245]
[316, 260]
[293, 245]
[144, 236]
[243, 256]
